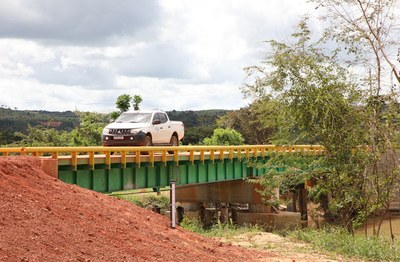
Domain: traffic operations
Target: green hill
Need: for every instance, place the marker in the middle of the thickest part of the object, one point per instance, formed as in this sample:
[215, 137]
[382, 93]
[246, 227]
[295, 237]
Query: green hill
[198, 124]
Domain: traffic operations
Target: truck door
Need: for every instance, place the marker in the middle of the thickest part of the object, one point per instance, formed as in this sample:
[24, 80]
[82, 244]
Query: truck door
[166, 128]
[157, 128]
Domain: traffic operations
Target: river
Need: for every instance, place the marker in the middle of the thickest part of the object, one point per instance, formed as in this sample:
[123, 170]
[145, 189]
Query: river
[385, 228]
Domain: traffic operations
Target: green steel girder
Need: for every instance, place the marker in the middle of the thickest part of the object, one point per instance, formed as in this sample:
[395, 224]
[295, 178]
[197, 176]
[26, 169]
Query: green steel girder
[117, 177]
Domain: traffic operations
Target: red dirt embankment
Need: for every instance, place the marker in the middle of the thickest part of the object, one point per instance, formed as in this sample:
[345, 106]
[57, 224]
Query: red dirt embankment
[44, 219]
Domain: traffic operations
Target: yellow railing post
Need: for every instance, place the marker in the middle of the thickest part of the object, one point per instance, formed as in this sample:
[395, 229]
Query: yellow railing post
[221, 155]
[137, 158]
[176, 157]
[212, 155]
[230, 154]
[151, 157]
[164, 157]
[108, 159]
[202, 155]
[74, 160]
[191, 156]
[91, 160]
[123, 158]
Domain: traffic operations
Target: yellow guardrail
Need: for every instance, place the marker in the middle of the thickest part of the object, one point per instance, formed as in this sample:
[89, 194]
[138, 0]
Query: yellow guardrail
[89, 155]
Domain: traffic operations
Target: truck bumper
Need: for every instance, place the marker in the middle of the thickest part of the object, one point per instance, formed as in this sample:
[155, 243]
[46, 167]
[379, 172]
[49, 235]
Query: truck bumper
[137, 139]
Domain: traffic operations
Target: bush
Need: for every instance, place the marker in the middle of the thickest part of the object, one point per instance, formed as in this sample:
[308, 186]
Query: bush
[147, 201]
[224, 137]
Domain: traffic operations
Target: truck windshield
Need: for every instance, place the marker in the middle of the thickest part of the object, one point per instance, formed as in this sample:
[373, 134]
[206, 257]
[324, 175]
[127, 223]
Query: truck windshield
[134, 118]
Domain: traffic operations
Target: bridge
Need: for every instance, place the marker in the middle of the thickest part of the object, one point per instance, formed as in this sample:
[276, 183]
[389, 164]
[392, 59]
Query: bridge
[108, 169]
[203, 174]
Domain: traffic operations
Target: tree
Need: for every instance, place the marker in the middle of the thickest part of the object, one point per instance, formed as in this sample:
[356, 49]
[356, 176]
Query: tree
[41, 136]
[123, 102]
[264, 121]
[224, 137]
[136, 100]
[369, 30]
[7, 136]
[323, 103]
[89, 131]
[196, 134]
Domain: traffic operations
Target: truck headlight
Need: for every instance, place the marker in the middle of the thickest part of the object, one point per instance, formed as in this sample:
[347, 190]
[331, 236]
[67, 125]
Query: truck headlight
[106, 131]
[135, 131]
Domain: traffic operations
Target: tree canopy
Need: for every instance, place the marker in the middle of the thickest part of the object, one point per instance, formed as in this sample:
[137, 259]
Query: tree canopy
[324, 102]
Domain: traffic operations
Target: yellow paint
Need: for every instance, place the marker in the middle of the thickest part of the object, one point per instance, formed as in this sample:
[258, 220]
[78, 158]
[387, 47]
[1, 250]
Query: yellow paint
[193, 152]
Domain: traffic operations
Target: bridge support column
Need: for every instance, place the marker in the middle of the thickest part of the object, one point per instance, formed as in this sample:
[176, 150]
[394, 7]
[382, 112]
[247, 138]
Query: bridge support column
[235, 191]
[235, 199]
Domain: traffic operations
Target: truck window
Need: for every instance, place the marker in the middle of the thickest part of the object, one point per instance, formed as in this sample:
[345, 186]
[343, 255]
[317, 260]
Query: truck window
[163, 117]
[156, 117]
[133, 118]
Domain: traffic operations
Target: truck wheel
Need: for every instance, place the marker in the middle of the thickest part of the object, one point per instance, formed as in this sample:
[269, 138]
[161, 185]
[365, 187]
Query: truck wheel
[173, 142]
[147, 142]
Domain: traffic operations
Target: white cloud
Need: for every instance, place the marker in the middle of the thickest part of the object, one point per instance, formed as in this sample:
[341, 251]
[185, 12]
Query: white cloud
[176, 54]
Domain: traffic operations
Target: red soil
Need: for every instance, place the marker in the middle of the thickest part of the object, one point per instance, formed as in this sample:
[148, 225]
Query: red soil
[44, 219]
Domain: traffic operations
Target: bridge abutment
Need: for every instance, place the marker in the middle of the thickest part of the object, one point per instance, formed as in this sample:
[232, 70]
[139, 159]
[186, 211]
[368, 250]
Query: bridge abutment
[237, 200]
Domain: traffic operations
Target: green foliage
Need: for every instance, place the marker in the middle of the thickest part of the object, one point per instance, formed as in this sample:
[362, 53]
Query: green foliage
[224, 137]
[366, 33]
[287, 172]
[123, 102]
[265, 121]
[114, 115]
[18, 119]
[324, 106]
[41, 136]
[136, 101]
[7, 137]
[89, 131]
[195, 134]
[337, 240]
[12, 121]
[193, 225]
[147, 200]
[255, 122]
[226, 230]
[198, 124]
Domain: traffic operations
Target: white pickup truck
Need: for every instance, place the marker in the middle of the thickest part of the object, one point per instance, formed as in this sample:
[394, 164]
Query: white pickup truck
[143, 128]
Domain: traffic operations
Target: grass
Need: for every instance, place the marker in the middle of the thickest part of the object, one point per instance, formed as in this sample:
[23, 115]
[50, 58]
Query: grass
[334, 240]
[147, 199]
[225, 230]
[339, 241]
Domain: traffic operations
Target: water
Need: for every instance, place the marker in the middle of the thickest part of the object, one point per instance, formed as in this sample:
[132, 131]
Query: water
[385, 228]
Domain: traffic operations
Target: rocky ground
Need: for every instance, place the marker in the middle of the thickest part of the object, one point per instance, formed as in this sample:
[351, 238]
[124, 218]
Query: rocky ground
[44, 219]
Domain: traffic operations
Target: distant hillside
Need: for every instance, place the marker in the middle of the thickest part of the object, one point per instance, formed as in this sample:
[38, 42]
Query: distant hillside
[18, 120]
[198, 124]
[197, 118]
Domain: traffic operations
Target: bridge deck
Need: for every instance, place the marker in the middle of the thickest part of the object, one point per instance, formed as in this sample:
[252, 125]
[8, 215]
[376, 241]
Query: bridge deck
[108, 169]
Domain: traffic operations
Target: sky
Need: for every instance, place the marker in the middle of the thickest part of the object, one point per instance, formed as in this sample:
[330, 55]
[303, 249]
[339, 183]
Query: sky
[60, 55]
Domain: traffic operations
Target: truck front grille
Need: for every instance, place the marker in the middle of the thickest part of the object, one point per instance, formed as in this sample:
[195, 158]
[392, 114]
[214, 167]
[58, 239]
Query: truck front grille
[119, 131]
